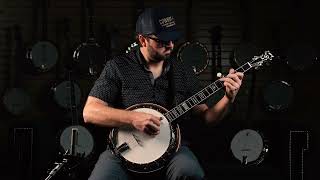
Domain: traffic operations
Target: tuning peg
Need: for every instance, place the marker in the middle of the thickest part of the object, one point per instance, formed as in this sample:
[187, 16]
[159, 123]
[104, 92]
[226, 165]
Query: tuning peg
[134, 44]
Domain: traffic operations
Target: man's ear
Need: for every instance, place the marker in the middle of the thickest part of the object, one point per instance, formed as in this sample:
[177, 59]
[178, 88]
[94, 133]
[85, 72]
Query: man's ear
[142, 40]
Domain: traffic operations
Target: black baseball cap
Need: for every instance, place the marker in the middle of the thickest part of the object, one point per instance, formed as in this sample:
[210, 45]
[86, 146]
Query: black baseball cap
[158, 21]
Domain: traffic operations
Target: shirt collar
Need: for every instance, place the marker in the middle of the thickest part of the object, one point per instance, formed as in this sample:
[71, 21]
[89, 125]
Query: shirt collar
[143, 62]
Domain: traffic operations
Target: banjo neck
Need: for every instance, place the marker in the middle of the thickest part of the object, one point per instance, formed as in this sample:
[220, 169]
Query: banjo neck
[200, 96]
[73, 105]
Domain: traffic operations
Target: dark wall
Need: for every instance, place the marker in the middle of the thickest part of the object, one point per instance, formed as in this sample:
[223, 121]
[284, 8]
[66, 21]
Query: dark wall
[287, 28]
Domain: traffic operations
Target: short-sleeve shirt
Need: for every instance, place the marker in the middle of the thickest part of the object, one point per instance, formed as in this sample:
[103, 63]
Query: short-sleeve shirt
[126, 81]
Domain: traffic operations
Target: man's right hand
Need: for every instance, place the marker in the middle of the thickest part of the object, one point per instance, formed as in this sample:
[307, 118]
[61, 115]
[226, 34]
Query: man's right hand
[145, 122]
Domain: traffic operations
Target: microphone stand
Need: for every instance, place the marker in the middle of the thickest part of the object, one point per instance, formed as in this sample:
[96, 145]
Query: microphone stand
[58, 166]
[67, 156]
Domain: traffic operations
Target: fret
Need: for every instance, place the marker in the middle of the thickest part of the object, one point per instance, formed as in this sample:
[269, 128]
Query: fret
[194, 100]
[175, 113]
[245, 67]
[185, 106]
[179, 110]
[189, 104]
[213, 87]
[171, 115]
[241, 69]
[181, 107]
[168, 117]
[202, 95]
[205, 92]
[210, 91]
[197, 97]
[218, 85]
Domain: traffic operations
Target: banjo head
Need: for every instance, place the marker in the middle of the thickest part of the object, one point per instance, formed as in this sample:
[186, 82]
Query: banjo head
[278, 96]
[16, 101]
[145, 148]
[44, 56]
[249, 147]
[194, 55]
[89, 59]
[84, 143]
[146, 153]
[62, 94]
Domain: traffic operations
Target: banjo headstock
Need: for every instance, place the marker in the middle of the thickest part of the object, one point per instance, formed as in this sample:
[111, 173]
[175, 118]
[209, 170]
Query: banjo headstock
[132, 46]
[258, 61]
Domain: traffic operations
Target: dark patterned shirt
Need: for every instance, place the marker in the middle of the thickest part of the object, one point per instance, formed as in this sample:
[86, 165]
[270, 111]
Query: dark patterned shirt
[126, 81]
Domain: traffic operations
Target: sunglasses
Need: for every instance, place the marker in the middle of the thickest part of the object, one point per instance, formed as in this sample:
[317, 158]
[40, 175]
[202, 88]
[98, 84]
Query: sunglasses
[161, 43]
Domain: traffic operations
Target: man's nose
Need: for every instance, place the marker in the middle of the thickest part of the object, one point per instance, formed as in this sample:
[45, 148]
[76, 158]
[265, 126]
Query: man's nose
[170, 44]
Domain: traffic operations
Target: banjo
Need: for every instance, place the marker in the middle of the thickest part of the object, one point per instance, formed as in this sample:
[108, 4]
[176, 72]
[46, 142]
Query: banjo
[44, 54]
[195, 54]
[61, 90]
[249, 146]
[76, 138]
[16, 100]
[143, 153]
[89, 56]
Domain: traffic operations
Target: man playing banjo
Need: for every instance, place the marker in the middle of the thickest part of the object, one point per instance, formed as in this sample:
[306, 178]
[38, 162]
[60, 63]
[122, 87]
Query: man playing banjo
[132, 96]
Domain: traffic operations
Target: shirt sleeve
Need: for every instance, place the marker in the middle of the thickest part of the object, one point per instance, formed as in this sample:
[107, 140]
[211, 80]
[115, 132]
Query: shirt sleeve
[108, 86]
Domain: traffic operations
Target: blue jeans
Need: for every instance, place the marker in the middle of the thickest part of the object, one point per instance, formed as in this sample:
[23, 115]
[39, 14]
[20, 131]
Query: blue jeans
[183, 166]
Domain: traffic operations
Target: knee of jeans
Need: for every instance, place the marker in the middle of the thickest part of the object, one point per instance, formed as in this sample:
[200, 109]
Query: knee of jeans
[187, 174]
[108, 175]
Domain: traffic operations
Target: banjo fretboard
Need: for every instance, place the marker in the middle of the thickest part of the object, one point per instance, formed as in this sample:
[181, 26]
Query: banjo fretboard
[202, 95]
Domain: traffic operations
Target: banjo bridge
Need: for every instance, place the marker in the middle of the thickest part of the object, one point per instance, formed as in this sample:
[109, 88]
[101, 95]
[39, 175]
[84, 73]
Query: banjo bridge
[123, 147]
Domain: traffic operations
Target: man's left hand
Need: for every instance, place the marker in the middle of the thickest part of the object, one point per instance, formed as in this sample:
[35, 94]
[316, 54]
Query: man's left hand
[232, 82]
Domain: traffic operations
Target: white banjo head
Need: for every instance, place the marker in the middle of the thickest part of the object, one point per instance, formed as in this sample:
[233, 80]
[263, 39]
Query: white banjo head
[248, 146]
[84, 143]
[144, 148]
[44, 55]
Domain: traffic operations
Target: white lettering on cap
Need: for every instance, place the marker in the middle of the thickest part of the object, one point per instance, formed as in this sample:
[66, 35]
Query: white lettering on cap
[167, 22]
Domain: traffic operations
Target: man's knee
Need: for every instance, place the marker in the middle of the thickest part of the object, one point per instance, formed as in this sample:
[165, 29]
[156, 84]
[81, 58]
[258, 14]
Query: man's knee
[108, 167]
[187, 173]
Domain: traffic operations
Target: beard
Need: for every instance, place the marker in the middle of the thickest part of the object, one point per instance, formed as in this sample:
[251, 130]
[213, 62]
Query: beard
[157, 57]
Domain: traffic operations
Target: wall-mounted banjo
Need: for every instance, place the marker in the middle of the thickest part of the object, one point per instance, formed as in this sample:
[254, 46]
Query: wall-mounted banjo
[249, 147]
[44, 54]
[143, 153]
[82, 140]
[16, 100]
[61, 90]
[89, 57]
[195, 55]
